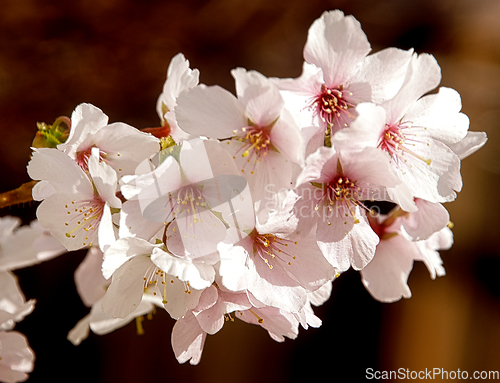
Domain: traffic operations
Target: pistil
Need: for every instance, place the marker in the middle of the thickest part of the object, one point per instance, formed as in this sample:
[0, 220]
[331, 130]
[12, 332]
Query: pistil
[333, 106]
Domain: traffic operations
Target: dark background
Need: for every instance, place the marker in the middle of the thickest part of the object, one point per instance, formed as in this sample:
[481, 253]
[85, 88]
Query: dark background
[115, 53]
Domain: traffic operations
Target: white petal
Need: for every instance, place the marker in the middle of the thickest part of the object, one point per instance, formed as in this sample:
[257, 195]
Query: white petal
[198, 275]
[209, 111]
[471, 143]
[62, 172]
[127, 287]
[90, 283]
[261, 98]
[101, 323]
[356, 248]
[125, 146]
[385, 71]
[288, 139]
[188, 339]
[429, 219]
[80, 332]
[337, 45]
[423, 75]
[17, 357]
[364, 131]
[440, 115]
[194, 161]
[13, 305]
[86, 120]
[123, 250]
[179, 77]
[385, 277]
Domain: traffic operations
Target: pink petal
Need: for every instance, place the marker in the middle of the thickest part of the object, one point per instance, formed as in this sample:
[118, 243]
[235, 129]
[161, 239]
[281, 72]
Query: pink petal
[337, 45]
[127, 287]
[440, 115]
[429, 219]
[209, 111]
[188, 339]
[259, 95]
[471, 143]
[385, 277]
[423, 75]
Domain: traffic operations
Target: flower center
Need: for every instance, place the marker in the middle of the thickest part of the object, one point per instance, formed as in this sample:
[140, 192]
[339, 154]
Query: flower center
[255, 141]
[270, 247]
[190, 200]
[84, 216]
[255, 144]
[397, 140]
[153, 275]
[156, 282]
[333, 106]
[82, 157]
[341, 194]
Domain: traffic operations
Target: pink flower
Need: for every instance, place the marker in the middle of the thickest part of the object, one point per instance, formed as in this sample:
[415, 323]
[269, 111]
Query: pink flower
[332, 187]
[216, 306]
[16, 357]
[91, 287]
[179, 196]
[386, 276]
[179, 78]
[338, 74]
[416, 132]
[138, 267]
[120, 145]
[273, 262]
[26, 245]
[76, 206]
[258, 131]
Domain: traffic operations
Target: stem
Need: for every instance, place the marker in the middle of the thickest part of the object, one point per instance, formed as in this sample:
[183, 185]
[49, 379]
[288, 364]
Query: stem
[18, 196]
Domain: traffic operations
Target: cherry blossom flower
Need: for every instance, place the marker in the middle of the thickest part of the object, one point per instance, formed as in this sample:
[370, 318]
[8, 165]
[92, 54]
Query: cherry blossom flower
[179, 78]
[139, 267]
[333, 186]
[258, 131]
[338, 74]
[16, 357]
[76, 207]
[120, 145]
[92, 286]
[273, 262]
[13, 305]
[416, 132]
[26, 245]
[181, 196]
[217, 306]
[386, 276]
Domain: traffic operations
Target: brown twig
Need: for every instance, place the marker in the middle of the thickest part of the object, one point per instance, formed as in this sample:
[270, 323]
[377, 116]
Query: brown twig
[18, 196]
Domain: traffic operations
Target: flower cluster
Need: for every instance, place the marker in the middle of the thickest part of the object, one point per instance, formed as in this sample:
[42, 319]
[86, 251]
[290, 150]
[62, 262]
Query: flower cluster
[249, 206]
[19, 247]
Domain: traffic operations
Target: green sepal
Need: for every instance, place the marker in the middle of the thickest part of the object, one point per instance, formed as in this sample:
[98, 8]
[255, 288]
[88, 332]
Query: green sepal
[49, 136]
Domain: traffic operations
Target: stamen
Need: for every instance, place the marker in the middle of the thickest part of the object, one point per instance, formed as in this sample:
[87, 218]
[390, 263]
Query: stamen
[334, 106]
[84, 215]
[82, 157]
[396, 140]
[340, 194]
[259, 319]
[269, 246]
[255, 144]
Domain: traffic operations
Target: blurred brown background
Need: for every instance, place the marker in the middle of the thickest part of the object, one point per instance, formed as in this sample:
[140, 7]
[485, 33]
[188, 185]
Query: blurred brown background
[115, 53]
